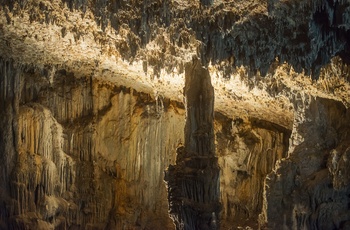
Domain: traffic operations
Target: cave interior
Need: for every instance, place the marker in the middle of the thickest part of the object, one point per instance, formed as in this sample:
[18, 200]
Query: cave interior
[175, 114]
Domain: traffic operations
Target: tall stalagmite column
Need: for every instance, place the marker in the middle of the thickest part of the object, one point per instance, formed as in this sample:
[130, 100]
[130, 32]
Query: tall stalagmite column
[193, 183]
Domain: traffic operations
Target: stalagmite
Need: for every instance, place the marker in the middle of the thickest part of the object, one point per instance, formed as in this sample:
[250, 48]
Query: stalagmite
[91, 112]
[193, 183]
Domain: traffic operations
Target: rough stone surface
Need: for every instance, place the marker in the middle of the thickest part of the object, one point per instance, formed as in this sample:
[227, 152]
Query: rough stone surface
[193, 182]
[86, 153]
[92, 110]
[81, 153]
[247, 152]
[310, 188]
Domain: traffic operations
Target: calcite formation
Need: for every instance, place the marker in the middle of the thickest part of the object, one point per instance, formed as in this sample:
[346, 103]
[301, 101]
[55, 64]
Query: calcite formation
[76, 153]
[193, 183]
[92, 111]
[310, 188]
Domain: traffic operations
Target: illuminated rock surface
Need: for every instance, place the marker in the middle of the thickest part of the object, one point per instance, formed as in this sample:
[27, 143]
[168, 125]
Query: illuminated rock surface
[91, 98]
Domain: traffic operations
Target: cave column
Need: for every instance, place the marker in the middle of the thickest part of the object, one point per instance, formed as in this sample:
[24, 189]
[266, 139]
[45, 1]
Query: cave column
[193, 182]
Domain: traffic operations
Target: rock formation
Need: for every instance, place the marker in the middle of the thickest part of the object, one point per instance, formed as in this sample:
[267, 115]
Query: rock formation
[92, 111]
[310, 188]
[63, 153]
[193, 183]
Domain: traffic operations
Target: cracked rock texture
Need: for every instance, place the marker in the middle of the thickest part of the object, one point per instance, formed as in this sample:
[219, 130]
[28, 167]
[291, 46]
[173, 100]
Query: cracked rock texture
[92, 110]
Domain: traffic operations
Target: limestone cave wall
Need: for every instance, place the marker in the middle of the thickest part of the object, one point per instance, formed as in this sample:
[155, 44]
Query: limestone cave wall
[80, 153]
[309, 189]
[92, 110]
[84, 153]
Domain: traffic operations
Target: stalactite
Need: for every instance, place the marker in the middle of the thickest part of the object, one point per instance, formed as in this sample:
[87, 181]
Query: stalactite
[94, 152]
[64, 166]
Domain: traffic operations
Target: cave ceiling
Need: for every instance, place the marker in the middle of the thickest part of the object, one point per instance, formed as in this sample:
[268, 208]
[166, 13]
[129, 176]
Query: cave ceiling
[261, 54]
